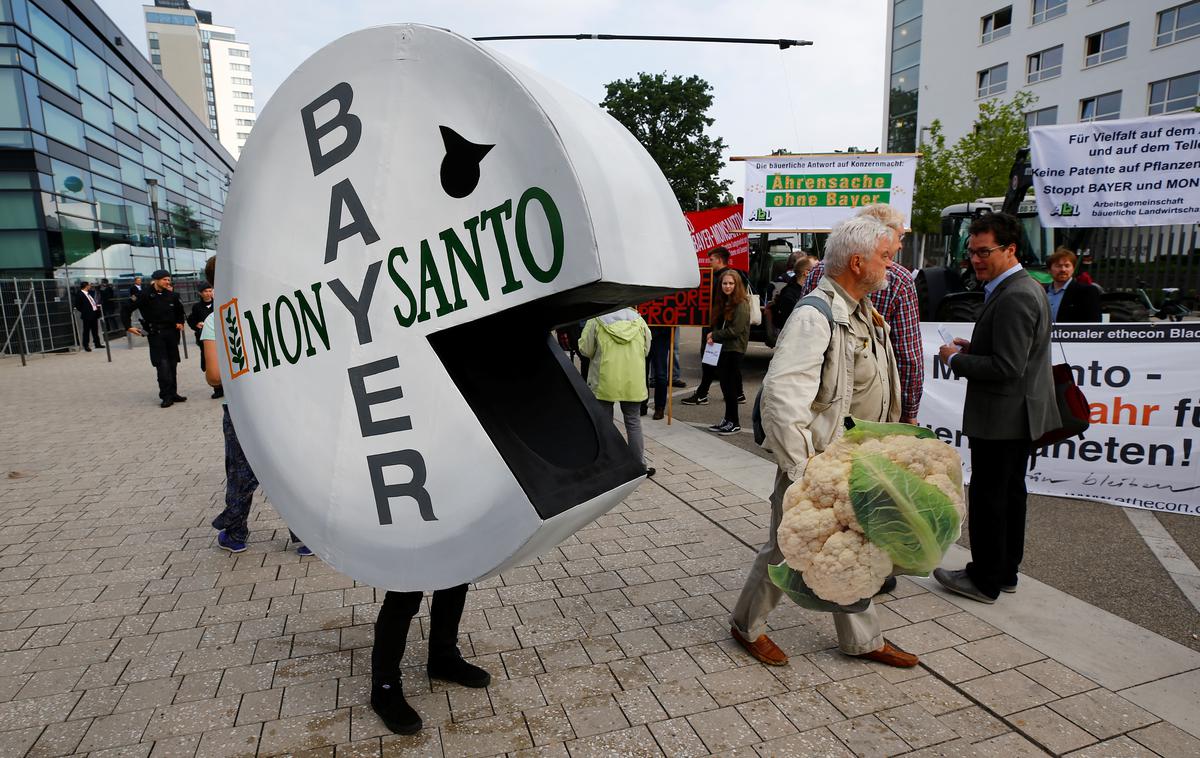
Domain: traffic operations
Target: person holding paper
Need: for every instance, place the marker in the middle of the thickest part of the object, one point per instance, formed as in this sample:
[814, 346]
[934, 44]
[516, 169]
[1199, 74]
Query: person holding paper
[730, 335]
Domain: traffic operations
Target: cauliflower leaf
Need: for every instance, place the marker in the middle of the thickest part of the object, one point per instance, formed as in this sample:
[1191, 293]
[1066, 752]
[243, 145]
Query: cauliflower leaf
[792, 583]
[912, 520]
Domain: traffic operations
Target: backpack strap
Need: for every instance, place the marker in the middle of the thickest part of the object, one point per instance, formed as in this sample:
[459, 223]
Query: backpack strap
[813, 301]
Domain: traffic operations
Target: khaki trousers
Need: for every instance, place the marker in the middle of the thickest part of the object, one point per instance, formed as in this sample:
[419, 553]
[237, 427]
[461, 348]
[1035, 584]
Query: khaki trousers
[857, 633]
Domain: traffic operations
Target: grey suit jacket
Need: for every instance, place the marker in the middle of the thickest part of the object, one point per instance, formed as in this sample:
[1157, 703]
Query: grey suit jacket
[1010, 387]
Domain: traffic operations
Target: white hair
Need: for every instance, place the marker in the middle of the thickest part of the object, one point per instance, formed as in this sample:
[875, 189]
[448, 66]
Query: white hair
[886, 214]
[859, 235]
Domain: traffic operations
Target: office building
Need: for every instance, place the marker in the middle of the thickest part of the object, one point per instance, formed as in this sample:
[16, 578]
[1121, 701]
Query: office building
[207, 66]
[87, 131]
[1084, 60]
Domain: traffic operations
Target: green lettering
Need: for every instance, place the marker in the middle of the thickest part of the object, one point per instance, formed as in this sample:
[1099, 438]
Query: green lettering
[511, 284]
[554, 222]
[405, 321]
[431, 279]
[457, 254]
[282, 301]
[263, 346]
[317, 320]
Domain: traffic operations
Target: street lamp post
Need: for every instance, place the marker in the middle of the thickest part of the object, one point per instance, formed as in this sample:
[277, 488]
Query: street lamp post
[153, 192]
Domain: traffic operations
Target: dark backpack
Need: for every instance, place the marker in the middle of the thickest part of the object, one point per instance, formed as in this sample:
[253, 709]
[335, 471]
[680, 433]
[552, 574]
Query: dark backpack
[815, 301]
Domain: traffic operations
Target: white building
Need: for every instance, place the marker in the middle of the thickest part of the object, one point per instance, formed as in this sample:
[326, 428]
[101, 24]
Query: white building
[1084, 60]
[207, 65]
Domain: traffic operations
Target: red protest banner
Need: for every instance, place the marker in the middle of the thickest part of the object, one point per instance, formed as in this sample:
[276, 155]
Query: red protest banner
[709, 229]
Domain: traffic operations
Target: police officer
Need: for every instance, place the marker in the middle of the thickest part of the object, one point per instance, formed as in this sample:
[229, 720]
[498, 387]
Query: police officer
[162, 314]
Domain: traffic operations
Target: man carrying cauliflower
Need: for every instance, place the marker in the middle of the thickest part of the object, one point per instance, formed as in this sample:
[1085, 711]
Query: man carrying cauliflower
[827, 368]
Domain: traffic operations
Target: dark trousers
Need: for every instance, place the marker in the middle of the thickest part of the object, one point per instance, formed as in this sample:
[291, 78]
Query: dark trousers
[91, 326]
[996, 512]
[395, 617]
[164, 354]
[729, 369]
[240, 483]
[707, 373]
[660, 352]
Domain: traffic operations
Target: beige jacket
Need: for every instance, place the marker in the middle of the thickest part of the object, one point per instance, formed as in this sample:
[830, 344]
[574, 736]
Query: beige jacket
[805, 397]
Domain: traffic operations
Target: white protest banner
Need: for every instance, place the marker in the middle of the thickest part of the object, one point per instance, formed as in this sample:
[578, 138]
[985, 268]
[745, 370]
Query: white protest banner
[1131, 172]
[411, 216]
[1142, 382]
[811, 193]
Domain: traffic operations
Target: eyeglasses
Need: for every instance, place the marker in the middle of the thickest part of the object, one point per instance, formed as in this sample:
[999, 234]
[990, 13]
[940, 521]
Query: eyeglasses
[983, 252]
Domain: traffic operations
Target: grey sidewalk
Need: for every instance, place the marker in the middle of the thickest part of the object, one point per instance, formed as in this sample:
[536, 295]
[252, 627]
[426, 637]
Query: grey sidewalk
[124, 631]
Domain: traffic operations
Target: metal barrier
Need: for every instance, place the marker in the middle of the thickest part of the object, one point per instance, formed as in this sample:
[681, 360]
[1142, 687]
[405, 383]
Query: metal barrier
[40, 315]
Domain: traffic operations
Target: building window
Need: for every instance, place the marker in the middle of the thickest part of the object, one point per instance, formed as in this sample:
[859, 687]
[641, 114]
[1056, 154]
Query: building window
[1178, 23]
[209, 96]
[243, 135]
[212, 110]
[238, 53]
[239, 95]
[1101, 107]
[993, 81]
[169, 18]
[153, 43]
[1108, 45]
[1181, 93]
[1043, 117]
[244, 108]
[1044, 10]
[207, 67]
[1044, 65]
[156, 58]
[204, 52]
[242, 80]
[995, 25]
[245, 122]
[238, 67]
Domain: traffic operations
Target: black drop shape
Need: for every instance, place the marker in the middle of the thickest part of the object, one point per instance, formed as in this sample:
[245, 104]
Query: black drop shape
[460, 167]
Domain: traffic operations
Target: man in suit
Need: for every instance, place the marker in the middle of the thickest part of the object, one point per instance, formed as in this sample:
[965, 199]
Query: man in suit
[89, 313]
[1010, 402]
[1071, 301]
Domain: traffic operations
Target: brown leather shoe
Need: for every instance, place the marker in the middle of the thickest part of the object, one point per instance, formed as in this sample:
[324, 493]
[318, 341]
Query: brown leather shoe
[891, 656]
[762, 649]
[658, 414]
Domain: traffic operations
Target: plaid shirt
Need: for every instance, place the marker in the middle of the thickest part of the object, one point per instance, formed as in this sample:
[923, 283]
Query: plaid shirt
[898, 306]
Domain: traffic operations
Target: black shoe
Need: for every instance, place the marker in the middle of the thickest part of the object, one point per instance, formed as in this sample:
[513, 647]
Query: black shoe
[695, 400]
[87, 349]
[727, 428]
[1009, 588]
[179, 399]
[889, 585]
[218, 392]
[679, 383]
[651, 471]
[395, 712]
[959, 583]
[166, 403]
[742, 398]
[458, 671]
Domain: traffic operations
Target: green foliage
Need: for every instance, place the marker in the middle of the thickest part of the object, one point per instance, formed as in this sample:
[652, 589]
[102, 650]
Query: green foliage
[976, 166]
[913, 521]
[872, 430]
[792, 583]
[669, 118]
[236, 352]
[188, 231]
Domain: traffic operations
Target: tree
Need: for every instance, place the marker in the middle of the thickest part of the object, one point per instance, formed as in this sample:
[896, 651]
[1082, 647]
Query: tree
[976, 166]
[668, 116]
[189, 231]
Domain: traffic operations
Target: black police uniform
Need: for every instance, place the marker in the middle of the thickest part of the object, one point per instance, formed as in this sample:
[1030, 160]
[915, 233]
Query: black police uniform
[195, 321]
[160, 311]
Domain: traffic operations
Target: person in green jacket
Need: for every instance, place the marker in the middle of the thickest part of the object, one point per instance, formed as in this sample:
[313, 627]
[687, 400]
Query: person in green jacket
[617, 344]
[731, 328]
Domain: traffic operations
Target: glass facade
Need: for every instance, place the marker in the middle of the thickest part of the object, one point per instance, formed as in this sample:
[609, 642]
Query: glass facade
[85, 126]
[905, 71]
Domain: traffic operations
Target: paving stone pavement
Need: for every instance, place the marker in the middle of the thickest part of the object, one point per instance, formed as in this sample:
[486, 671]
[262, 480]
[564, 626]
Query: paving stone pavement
[125, 631]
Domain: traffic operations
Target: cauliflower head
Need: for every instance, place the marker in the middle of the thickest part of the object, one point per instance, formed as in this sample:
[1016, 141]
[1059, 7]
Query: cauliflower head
[820, 534]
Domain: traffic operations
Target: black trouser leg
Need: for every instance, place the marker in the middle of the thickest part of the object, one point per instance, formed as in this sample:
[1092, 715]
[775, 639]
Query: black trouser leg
[996, 512]
[729, 368]
[707, 372]
[391, 634]
[91, 327]
[445, 611]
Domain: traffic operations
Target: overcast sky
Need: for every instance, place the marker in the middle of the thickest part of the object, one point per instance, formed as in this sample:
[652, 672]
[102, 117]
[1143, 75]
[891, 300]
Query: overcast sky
[806, 99]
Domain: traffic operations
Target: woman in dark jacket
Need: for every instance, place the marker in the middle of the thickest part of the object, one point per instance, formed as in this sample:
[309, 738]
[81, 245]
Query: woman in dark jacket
[731, 328]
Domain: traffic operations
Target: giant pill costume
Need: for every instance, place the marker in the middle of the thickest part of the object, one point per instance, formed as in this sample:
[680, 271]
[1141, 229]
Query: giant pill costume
[411, 216]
